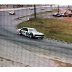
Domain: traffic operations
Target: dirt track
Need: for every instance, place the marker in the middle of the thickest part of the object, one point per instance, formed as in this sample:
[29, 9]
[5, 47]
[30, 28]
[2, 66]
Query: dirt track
[12, 55]
[67, 19]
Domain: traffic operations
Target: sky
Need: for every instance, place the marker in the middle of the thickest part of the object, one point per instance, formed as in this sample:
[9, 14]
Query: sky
[59, 2]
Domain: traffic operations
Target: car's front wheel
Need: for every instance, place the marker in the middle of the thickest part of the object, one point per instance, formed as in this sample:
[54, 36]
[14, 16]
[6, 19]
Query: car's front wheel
[30, 35]
[42, 37]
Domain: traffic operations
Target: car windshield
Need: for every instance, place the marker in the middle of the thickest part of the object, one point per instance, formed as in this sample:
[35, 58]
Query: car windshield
[32, 30]
[12, 11]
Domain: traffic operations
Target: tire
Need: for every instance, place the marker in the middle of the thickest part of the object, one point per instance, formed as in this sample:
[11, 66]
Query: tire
[31, 36]
[20, 32]
[42, 37]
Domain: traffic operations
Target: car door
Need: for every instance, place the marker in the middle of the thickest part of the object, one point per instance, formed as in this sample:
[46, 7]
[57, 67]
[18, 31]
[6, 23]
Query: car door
[24, 31]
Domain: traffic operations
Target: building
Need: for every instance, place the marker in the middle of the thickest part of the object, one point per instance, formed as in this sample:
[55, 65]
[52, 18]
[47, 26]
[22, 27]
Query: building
[13, 6]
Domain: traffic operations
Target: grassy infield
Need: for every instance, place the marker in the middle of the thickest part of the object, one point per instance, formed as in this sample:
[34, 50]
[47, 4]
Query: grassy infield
[52, 28]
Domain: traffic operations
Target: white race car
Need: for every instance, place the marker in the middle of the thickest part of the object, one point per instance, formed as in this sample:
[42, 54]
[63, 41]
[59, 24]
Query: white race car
[12, 12]
[30, 32]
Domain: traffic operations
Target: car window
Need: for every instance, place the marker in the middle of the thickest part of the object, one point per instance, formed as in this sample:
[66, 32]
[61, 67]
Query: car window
[32, 30]
[25, 29]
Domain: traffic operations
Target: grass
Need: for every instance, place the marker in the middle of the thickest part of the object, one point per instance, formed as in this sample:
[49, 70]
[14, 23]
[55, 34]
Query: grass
[52, 28]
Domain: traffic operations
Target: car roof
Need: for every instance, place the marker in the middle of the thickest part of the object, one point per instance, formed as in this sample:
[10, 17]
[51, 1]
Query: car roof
[28, 28]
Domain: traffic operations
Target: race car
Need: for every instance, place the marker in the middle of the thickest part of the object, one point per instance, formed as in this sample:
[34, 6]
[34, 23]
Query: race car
[30, 32]
[58, 14]
[12, 12]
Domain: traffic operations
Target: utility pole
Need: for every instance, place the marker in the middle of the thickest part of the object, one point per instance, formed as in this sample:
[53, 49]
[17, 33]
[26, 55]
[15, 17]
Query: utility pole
[13, 6]
[68, 7]
[35, 11]
[51, 7]
[58, 8]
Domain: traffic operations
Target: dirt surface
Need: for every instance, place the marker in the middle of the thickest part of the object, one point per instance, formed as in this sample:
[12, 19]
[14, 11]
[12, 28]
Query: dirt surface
[67, 19]
[12, 55]
[9, 63]
[47, 15]
[61, 64]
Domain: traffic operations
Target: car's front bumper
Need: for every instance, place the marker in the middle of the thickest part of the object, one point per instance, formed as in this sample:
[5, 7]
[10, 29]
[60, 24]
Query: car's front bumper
[38, 36]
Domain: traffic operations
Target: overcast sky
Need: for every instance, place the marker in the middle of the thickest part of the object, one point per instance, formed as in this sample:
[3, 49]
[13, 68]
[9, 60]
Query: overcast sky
[59, 2]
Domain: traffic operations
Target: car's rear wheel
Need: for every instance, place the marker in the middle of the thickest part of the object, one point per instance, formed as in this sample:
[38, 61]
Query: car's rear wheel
[20, 32]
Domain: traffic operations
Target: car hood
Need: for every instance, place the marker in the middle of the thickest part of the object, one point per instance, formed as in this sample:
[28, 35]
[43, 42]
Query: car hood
[18, 29]
[38, 33]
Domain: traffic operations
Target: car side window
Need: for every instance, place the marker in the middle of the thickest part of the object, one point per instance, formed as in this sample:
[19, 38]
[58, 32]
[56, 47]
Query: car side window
[25, 29]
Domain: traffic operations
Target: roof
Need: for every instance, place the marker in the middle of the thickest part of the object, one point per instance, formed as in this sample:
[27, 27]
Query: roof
[28, 27]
